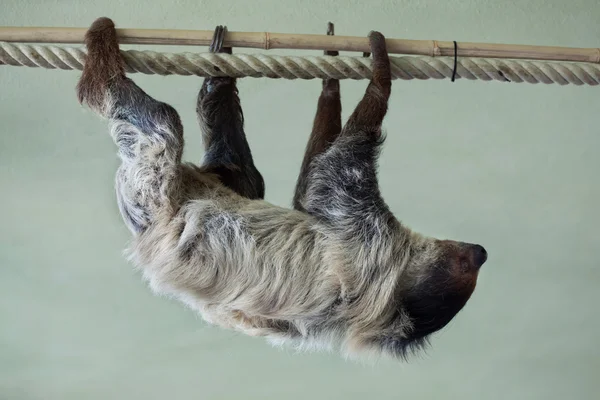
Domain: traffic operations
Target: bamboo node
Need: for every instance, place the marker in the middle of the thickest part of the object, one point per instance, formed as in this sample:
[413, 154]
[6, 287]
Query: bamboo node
[267, 41]
[435, 49]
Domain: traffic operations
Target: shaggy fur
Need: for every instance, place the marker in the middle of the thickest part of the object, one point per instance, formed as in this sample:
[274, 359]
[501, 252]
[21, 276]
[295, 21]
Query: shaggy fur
[339, 271]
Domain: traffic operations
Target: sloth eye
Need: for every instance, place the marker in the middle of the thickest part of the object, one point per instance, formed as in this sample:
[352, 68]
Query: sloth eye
[464, 263]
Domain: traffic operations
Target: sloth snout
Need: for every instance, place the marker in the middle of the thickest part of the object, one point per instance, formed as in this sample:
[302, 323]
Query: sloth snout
[478, 255]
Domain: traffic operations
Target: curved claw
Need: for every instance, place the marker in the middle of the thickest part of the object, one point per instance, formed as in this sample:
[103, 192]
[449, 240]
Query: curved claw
[330, 29]
[216, 45]
[330, 32]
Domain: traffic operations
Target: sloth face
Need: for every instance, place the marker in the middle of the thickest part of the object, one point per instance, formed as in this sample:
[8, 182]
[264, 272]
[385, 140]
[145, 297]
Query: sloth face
[441, 294]
[442, 278]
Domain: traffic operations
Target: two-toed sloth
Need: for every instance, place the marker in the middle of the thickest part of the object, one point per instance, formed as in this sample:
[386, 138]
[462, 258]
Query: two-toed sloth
[338, 271]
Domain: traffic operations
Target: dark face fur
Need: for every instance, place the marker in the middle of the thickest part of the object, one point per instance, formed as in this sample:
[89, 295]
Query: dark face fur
[435, 300]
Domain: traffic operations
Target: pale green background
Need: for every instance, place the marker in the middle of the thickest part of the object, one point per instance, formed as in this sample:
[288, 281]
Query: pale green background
[512, 166]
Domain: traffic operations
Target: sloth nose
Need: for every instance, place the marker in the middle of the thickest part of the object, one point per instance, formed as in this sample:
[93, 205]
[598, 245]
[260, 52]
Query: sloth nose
[478, 255]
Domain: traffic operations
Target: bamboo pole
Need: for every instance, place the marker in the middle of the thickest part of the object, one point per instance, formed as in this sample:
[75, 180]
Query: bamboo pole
[267, 41]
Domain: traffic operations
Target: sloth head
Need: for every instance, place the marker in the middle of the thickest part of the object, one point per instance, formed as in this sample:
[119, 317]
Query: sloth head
[437, 283]
[448, 281]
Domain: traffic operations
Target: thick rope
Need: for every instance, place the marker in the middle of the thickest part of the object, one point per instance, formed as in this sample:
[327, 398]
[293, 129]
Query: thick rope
[309, 67]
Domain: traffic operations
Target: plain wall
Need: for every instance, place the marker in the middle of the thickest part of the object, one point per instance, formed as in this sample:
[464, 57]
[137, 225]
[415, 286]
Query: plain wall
[511, 166]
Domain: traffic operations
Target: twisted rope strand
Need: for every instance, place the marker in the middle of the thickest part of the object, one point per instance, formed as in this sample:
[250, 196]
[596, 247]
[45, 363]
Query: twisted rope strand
[309, 67]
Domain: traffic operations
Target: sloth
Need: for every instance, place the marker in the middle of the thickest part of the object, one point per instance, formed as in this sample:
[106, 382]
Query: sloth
[335, 272]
